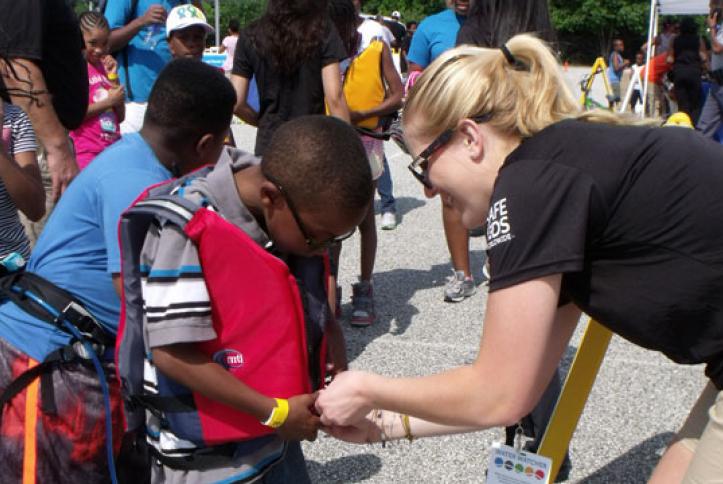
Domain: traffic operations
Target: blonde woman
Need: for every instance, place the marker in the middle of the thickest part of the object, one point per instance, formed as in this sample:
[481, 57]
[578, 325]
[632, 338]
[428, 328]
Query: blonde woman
[583, 214]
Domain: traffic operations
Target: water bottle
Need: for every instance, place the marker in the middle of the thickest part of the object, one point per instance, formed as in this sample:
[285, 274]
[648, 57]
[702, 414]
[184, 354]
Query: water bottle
[150, 39]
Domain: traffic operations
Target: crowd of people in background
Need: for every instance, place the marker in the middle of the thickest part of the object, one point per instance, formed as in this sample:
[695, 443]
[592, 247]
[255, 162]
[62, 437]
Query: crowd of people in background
[684, 74]
[117, 100]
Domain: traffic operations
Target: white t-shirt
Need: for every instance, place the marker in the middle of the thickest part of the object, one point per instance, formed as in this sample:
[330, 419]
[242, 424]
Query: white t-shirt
[370, 30]
[230, 44]
[636, 79]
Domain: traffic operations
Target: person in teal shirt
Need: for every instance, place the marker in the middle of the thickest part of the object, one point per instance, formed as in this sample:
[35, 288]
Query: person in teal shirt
[436, 34]
[139, 41]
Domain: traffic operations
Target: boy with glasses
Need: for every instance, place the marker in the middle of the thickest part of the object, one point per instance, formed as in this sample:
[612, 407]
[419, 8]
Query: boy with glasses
[330, 185]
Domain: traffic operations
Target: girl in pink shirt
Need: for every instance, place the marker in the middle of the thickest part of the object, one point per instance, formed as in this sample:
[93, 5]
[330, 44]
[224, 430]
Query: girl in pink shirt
[229, 45]
[106, 108]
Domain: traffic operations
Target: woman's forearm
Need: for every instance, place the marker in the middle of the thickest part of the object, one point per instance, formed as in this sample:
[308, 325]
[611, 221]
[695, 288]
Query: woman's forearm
[463, 397]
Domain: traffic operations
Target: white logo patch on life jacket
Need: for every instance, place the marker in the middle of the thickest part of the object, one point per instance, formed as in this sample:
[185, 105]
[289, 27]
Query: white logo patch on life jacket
[229, 359]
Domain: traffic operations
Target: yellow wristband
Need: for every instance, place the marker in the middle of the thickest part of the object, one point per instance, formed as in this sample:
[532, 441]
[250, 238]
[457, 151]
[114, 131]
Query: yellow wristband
[112, 76]
[407, 428]
[279, 414]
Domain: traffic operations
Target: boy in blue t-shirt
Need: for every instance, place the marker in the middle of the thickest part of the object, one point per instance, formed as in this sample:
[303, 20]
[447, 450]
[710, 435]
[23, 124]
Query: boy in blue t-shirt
[188, 116]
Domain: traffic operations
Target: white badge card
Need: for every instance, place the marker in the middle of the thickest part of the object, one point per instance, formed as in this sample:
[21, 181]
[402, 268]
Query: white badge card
[509, 466]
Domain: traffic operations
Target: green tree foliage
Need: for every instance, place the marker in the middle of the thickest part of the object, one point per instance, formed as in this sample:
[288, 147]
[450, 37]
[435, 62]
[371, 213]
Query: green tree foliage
[586, 27]
[410, 9]
[243, 10]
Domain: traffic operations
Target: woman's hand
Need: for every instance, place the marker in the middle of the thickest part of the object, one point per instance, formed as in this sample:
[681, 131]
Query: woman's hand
[344, 401]
[364, 431]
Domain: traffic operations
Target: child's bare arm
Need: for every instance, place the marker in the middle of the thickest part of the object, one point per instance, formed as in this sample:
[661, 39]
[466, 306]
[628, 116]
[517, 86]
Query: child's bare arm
[187, 365]
[120, 112]
[242, 108]
[21, 176]
[116, 96]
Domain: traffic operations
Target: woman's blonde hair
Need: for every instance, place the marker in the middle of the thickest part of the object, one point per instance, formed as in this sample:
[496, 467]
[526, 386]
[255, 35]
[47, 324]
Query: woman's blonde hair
[522, 97]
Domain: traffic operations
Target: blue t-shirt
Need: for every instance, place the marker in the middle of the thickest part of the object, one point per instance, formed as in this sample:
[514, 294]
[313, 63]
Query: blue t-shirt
[613, 75]
[78, 249]
[147, 52]
[434, 35]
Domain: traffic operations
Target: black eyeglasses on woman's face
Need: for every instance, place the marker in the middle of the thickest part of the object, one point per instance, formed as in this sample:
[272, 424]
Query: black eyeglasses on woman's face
[420, 164]
[313, 244]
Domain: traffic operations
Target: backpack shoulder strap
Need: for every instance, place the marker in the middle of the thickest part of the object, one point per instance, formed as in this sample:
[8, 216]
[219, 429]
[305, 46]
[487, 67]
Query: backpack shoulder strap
[172, 208]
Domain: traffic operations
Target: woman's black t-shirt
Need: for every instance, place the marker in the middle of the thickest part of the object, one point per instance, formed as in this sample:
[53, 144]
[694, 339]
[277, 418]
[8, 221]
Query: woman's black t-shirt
[686, 49]
[284, 97]
[47, 33]
[633, 219]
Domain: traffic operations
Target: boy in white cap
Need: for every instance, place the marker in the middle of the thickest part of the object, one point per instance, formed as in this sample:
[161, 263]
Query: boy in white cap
[187, 29]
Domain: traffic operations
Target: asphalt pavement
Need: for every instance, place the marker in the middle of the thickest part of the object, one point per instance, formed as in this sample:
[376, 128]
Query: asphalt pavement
[639, 400]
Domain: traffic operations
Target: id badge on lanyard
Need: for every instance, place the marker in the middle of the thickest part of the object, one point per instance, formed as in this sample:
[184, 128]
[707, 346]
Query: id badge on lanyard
[512, 465]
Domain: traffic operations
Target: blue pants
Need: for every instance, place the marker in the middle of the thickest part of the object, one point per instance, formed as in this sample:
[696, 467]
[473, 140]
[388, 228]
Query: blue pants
[385, 189]
[711, 116]
[291, 469]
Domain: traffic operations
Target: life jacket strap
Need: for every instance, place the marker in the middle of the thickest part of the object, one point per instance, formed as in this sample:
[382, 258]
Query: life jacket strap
[158, 404]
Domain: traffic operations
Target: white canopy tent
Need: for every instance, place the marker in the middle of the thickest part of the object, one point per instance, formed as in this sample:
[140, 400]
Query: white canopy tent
[668, 7]
[682, 7]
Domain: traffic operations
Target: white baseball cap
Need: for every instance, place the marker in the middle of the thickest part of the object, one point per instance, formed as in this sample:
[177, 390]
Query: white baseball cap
[184, 16]
[396, 14]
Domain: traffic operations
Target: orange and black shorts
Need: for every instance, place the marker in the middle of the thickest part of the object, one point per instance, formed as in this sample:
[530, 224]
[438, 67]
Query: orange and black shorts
[54, 430]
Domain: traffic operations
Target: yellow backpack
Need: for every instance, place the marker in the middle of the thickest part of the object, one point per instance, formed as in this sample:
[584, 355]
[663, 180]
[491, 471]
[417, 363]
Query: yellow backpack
[363, 83]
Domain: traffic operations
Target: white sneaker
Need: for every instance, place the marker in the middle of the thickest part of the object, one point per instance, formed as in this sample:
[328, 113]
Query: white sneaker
[389, 221]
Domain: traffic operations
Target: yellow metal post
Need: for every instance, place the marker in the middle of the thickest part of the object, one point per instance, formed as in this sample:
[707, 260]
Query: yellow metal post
[575, 392]
[599, 67]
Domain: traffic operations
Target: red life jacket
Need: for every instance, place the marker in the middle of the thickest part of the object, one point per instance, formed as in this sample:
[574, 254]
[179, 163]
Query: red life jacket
[267, 318]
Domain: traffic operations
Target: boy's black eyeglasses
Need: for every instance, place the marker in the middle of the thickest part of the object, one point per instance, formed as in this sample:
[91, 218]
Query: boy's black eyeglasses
[420, 164]
[311, 242]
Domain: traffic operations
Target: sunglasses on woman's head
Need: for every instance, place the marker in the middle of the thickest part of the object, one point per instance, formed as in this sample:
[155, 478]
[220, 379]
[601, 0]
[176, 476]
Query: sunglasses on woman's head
[420, 164]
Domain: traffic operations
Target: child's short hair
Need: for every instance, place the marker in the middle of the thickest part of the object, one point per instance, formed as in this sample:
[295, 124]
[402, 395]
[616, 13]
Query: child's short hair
[92, 20]
[190, 99]
[320, 161]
